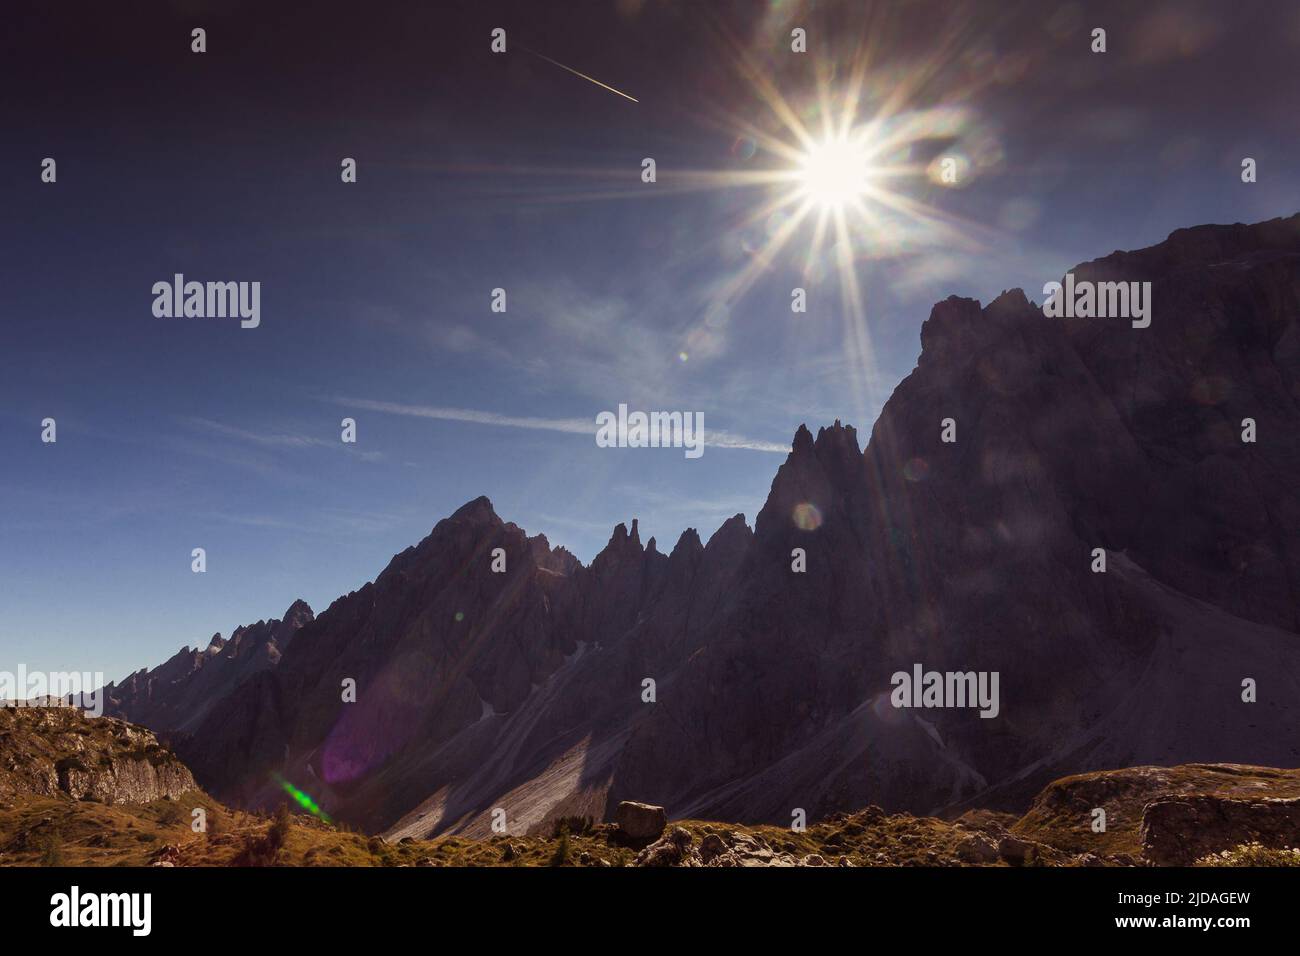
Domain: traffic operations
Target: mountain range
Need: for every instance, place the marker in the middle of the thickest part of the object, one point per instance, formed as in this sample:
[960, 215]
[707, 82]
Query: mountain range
[748, 677]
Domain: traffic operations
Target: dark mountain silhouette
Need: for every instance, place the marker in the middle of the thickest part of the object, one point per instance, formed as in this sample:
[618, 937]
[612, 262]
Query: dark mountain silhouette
[178, 693]
[523, 690]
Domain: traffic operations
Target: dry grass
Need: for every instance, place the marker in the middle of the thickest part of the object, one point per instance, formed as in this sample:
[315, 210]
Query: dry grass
[91, 834]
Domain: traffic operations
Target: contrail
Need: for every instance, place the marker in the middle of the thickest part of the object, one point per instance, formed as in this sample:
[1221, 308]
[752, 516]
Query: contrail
[576, 73]
[573, 426]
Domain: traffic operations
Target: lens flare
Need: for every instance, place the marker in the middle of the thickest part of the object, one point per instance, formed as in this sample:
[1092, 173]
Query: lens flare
[303, 799]
[807, 517]
[916, 469]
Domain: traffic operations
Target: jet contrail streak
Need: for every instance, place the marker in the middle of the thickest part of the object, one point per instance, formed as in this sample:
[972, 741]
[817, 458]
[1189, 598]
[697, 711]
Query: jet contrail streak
[583, 75]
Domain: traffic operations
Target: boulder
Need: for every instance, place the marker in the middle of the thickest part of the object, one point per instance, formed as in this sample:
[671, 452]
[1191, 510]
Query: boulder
[977, 849]
[1015, 851]
[640, 821]
[1177, 831]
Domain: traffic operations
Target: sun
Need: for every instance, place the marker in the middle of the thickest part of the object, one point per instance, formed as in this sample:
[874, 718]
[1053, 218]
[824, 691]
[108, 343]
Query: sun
[834, 173]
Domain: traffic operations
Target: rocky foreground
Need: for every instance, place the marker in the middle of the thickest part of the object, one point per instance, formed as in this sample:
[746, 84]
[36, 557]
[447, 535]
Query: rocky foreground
[102, 792]
[57, 752]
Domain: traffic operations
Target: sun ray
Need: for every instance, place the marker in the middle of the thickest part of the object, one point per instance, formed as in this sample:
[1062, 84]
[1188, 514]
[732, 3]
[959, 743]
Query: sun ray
[740, 283]
[819, 234]
[861, 354]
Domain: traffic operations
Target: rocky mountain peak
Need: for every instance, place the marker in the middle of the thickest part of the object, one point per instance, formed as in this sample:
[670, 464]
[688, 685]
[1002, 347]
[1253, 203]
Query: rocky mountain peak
[816, 475]
[733, 536]
[557, 560]
[687, 544]
[298, 612]
[1011, 301]
[838, 450]
[623, 544]
[951, 331]
[563, 561]
[803, 441]
[478, 510]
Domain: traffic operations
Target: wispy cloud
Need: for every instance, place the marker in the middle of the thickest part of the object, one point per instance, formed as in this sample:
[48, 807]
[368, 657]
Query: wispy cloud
[721, 439]
[714, 438]
[726, 505]
[329, 521]
[266, 440]
[274, 439]
[573, 426]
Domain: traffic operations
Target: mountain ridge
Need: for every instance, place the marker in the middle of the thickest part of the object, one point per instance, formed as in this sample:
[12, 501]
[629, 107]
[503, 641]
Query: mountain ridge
[525, 689]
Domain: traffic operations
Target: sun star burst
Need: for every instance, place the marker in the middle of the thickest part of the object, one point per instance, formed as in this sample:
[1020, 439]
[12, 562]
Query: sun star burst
[834, 173]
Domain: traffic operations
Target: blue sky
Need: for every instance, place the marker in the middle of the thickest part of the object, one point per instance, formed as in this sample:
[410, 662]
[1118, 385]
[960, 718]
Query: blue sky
[477, 173]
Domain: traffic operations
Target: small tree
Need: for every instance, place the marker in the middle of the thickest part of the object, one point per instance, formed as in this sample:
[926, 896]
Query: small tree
[561, 856]
[278, 832]
[263, 850]
[52, 849]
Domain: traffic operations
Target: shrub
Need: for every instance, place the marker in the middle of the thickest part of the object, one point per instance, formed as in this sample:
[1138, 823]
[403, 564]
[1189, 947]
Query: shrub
[171, 814]
[1253, 854]
[577, 826]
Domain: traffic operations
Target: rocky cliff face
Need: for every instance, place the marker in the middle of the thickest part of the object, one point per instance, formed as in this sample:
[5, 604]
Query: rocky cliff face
[51, 751]
[526, 690]
[1071, 435]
